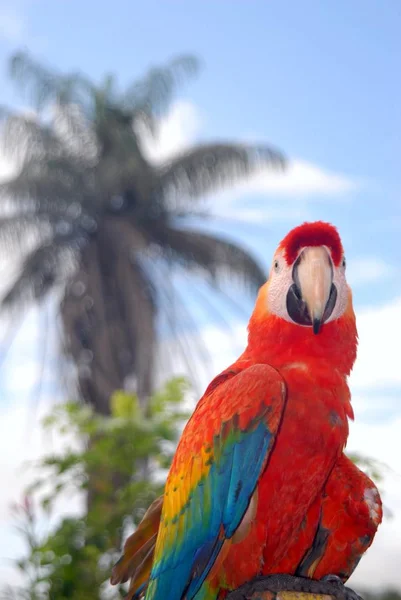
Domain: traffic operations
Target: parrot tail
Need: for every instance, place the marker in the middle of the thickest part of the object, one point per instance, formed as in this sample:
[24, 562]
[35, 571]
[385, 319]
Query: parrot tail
[136, 561]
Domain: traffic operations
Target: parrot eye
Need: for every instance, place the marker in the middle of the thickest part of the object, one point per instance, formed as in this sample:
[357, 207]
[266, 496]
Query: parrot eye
[276, 266]
[344, 263]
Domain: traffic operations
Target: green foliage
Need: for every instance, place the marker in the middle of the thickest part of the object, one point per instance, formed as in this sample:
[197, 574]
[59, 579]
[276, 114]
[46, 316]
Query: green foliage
[74, 560]
[372, 467]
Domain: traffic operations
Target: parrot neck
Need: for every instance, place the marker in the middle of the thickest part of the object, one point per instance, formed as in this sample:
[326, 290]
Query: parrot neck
[280, 343]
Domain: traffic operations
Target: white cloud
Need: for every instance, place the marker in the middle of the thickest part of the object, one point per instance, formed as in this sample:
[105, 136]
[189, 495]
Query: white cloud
[180, 129]
[300, 179]
[367, 270]
[22, 444]
[381, 406]
[16, 449]
[378, 362]
[380, 566]
[6, 167]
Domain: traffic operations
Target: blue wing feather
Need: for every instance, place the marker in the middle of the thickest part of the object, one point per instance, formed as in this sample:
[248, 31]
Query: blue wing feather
[217, 505]
[233, 481]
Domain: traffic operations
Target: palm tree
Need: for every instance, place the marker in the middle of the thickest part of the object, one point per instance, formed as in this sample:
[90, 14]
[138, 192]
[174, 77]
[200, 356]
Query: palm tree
[92, 217]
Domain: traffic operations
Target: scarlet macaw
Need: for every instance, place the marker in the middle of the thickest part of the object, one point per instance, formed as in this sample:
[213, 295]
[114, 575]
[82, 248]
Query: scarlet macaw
[259, 484]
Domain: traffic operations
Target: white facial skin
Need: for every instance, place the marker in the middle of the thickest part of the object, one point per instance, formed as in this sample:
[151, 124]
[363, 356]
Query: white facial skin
[316, 272]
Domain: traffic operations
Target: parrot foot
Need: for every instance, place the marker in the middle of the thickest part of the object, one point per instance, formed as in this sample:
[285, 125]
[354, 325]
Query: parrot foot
[347, 592]
[331, 585]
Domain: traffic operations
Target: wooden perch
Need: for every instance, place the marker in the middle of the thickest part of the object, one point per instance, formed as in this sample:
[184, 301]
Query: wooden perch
[288, 587]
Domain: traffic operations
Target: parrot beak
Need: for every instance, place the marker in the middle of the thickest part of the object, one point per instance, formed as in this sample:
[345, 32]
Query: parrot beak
[313, 274]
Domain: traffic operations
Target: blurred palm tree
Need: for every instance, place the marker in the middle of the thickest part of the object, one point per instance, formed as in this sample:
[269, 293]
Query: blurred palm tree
[89, 214]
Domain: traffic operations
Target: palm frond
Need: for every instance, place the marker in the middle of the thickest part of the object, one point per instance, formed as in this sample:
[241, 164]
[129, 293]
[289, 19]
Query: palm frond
[24, 138]
[30, 74]
[218, 257]
[42, 270]
[149, 98]
[46, 86]
[48, 183]
[18, 232]
[70, 134]
[208, 167]
[76, 132]
[31, 227]
[172, 309]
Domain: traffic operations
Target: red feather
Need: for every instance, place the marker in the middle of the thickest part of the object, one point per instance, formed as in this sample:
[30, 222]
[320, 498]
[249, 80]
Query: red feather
[312, 234]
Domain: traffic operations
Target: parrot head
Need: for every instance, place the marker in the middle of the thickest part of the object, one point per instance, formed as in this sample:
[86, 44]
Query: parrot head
[306, 303]
[307, 282]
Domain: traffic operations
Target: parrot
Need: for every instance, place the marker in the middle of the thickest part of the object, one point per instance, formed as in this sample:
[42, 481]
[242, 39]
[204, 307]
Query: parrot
[259, 484]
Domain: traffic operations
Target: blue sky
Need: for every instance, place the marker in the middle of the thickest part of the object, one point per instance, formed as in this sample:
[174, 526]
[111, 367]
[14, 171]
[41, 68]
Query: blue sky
[317, 79]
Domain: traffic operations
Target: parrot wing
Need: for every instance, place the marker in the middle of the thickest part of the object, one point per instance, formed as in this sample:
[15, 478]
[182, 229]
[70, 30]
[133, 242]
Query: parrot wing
[138, 547]
[221, 455]
[351, 513]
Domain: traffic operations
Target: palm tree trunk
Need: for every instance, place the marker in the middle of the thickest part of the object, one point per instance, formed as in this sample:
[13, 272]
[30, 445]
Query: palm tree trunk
[108, 315]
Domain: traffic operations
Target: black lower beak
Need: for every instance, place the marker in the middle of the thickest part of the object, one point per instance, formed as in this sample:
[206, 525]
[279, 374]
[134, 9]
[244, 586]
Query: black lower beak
[317, 323]
[298, 311]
